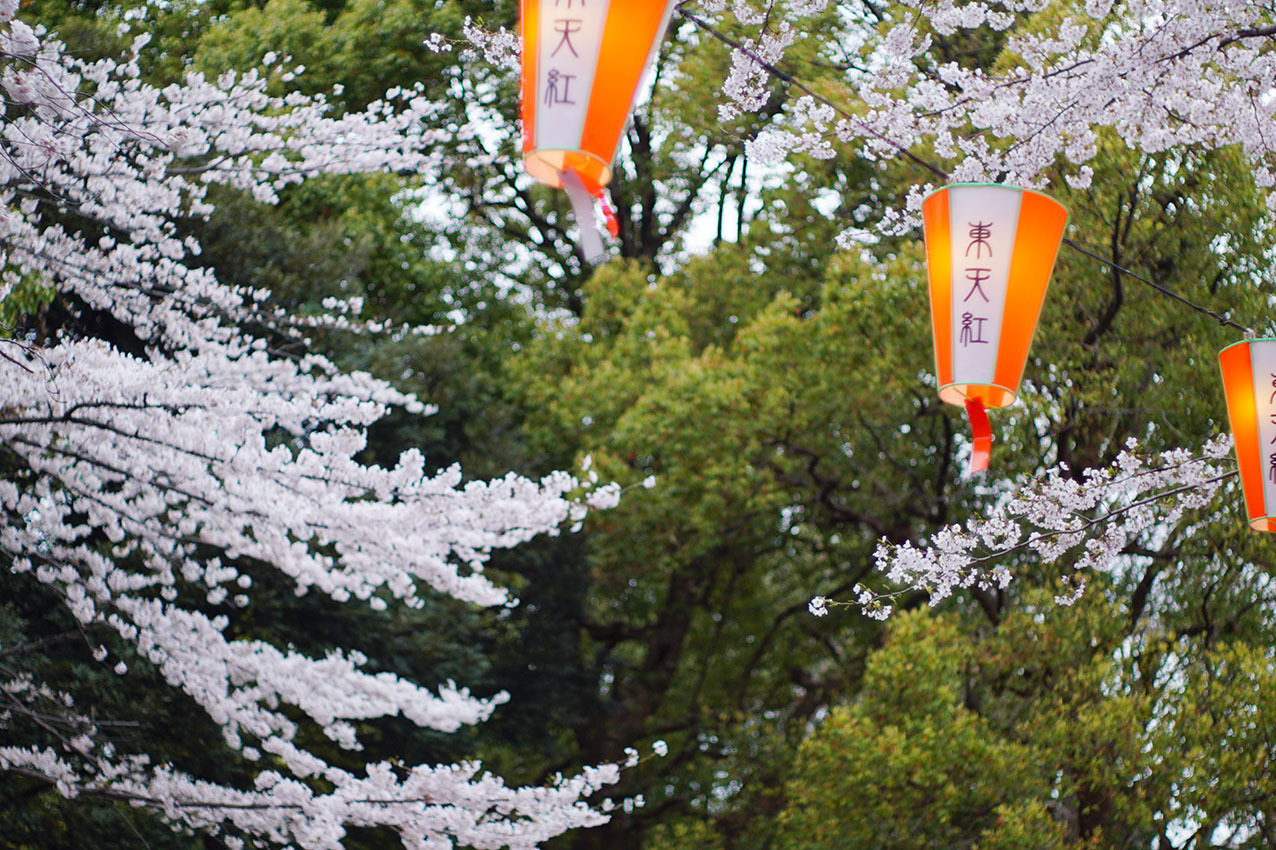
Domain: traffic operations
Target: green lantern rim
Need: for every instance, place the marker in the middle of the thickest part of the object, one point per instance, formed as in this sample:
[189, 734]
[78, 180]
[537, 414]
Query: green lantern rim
[946, 396]
[1247, 342]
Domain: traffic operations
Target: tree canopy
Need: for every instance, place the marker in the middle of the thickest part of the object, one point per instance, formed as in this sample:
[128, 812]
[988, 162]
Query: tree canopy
[247, 243]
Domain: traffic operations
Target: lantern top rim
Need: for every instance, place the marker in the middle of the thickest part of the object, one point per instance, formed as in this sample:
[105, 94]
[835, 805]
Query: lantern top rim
[1247, 342]
[998, 186]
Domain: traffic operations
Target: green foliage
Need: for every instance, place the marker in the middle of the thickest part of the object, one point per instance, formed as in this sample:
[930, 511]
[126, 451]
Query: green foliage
[677, 835]
[696, 613]
[364, 46]
[907, 764]
[1057, 729]
[28, 298]
[37, 820]
[290, 28]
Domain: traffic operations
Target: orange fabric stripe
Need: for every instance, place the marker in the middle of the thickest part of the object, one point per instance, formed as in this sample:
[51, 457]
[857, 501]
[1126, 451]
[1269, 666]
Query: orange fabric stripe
[936, 229]
[989, 395]
[1041, 224]
[528, 24]
[1242, 413]
[632, 26]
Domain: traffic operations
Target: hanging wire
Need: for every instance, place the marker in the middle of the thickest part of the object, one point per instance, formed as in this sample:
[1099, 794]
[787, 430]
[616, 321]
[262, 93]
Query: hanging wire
[1223, 319]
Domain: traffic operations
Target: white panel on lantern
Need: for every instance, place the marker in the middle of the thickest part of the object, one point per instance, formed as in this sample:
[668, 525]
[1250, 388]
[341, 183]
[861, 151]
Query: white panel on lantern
[570, 39]
[1263, 363]
[983, 224]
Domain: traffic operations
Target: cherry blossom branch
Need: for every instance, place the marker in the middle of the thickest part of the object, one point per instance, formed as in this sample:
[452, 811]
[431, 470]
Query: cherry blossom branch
[214, 805]
[1091, 522]
[965, 101]
[805, 89]
[172, 457]
[1135, 498]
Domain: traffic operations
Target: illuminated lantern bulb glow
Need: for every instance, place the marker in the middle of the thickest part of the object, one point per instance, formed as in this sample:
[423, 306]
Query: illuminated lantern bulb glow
[583, 61]
[1249, 381]
[990, 250]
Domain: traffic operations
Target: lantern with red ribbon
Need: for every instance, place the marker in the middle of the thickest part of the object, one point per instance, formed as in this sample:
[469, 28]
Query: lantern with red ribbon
[990, 250]
[1249, 381]
[583, 61]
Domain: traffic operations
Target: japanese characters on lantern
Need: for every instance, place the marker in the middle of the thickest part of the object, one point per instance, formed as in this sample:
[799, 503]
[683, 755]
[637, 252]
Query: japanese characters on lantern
[583, 61]
[990, 250]
[566, 58]
[1249, 381]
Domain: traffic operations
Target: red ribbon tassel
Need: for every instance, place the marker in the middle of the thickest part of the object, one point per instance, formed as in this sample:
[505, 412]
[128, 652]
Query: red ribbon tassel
[609, 215]
[981, 435]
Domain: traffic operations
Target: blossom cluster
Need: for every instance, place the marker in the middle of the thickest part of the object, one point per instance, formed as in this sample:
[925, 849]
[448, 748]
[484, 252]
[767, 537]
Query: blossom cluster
[433, 808]
[127, 468]
[1161, 73]
[1096, 520]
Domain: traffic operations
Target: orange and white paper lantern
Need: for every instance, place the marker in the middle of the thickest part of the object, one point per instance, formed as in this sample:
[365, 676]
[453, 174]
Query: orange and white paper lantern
[1249, 381]
[990, 250]
[583, 61]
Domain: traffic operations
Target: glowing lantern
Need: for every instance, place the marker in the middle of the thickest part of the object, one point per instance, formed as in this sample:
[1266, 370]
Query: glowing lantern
[582, 63]
[1249, 380]
[989, 253]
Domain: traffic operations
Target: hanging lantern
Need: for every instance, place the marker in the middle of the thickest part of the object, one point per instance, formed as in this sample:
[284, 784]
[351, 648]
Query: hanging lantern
[989, 253]
[582, 63]
[1249, 381]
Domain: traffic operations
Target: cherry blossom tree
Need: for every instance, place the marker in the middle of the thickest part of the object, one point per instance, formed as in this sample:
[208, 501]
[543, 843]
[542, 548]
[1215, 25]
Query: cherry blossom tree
[171, 430]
